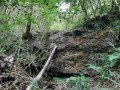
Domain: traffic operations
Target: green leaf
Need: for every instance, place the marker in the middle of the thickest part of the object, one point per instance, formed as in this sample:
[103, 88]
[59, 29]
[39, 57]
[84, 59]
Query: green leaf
[113, 63]
[110, 72]
[118, 49]
[111, 80]
[113, 57]
[111, 44]
[98, 69]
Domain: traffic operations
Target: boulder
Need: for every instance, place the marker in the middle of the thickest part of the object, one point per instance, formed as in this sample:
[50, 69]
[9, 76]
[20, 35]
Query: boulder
[75, 53]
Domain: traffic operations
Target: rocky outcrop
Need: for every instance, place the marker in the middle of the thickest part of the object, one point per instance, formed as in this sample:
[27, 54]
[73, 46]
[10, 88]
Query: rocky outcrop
[75, 52]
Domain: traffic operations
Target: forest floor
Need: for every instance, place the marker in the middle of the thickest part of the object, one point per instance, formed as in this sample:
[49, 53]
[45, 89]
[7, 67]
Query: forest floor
[20, 60]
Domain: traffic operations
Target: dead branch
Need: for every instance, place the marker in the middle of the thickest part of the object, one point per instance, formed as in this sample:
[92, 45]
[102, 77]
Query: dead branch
[38, 77]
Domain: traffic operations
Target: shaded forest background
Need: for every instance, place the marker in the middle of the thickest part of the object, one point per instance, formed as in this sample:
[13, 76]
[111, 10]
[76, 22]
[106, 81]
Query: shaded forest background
[41, 15]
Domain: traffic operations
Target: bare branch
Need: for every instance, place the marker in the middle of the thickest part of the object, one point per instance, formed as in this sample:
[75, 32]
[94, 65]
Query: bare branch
[38, 77]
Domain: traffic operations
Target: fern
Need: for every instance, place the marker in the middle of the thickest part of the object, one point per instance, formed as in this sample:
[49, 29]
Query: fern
[109, 62]
[79, 82]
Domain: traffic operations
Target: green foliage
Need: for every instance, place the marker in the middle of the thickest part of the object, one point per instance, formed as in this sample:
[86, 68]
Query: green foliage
[108, 63]
[11, 42]
[5, 2]
[111, 80]
[53, 17]
[118, 26]
[20, 19]
[6, 24]
[7, 27]
[80, 82]
[44, 88]
[63, 79]
[4, 18]
[35, 85]
[2, 50]
[39, 60]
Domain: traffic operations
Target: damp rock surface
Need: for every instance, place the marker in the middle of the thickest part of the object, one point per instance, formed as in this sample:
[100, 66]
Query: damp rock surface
[75, 52]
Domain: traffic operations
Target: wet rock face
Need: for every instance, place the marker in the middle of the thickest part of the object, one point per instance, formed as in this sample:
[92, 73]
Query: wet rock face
[74, 53]
[69, 63]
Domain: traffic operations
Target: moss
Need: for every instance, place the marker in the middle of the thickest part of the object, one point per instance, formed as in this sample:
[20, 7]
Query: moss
[84, 59]
[77, 41]
[70, 68]
[78, 60]
[78, 54]
[100, 34]
[71, 63]
[79, 64]
[72, 60]
[92, 37]
[75, 66]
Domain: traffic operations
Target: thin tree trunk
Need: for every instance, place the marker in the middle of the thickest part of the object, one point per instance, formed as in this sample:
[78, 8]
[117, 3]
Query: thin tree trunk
[28, 27]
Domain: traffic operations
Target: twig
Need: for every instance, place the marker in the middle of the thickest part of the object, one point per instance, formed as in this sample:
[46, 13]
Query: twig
[19, 49]
[43, 69]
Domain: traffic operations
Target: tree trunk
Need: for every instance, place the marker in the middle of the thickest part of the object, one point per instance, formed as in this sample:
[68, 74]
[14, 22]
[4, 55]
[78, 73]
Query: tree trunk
[28, 34]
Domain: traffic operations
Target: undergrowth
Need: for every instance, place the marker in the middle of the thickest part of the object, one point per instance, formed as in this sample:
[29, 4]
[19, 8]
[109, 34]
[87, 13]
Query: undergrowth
[79, 82]
[109, 64]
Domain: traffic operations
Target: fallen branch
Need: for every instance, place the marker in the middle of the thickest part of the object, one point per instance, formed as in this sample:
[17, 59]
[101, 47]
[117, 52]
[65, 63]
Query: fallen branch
[43, 69]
